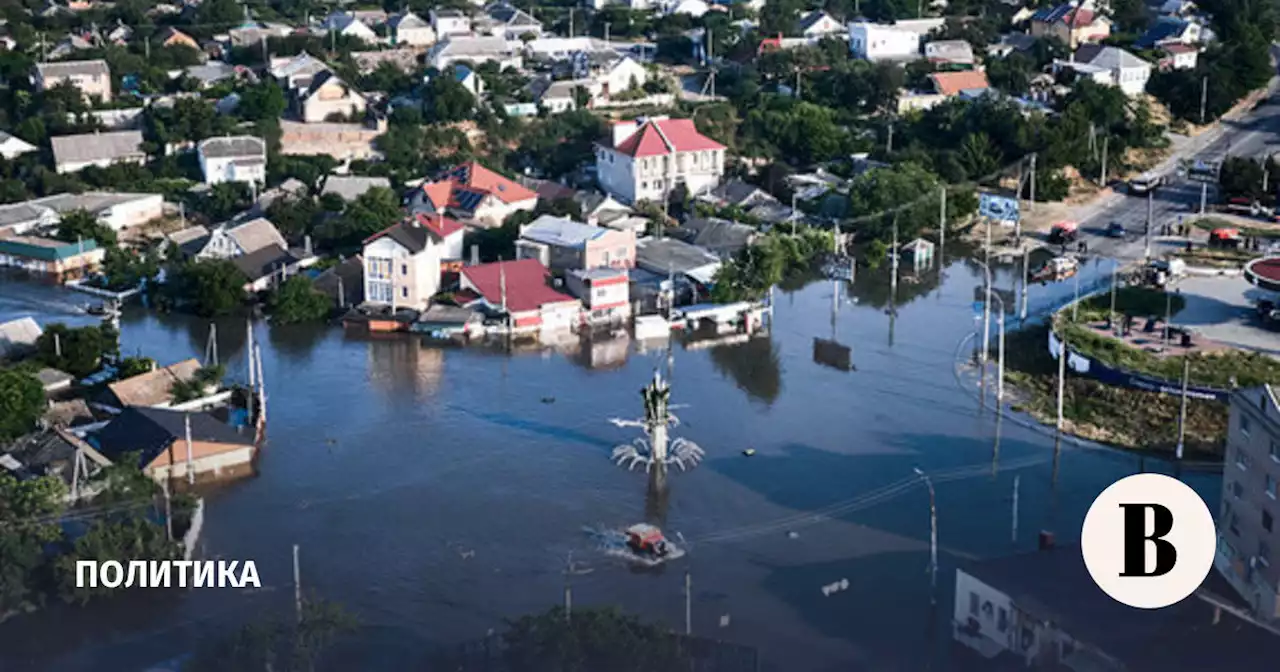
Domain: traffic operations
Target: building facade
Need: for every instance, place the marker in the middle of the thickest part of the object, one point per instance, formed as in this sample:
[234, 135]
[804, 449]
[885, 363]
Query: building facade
[51, 260]
[605, 294]
[563, 245]
[402, 264]
[241, 158]
[875, 42]
[646, 159]
[93, 78]
[1248, 534]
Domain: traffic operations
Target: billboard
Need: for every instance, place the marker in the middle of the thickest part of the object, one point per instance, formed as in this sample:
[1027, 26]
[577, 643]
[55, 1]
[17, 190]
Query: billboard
[1200, 170]
[999, 207]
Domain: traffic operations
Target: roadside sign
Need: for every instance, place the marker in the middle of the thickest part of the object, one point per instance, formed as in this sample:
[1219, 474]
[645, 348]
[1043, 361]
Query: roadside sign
[999, 207]
[1200, 170]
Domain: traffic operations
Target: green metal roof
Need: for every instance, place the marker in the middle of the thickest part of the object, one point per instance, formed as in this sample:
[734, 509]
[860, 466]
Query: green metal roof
[45, 253]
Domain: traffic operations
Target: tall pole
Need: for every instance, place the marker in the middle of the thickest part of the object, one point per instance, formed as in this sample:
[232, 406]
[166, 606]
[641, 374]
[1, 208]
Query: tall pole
[1182, 412]
[1204, 196]
[893, 282]
[297, 585]
[168, 511]
[933, 537]
[1150, 218]
[568, 590]
[191, 474]
[1204, 97]
[1062, 374]
[1000, 359]
[942, 222]
[986, 303]
[1168, 312]
[1026, 278]
[1112, 314]
[1032, 204]
[1105, 141]
[1016, 482]
[688, 603]
[1075, 304]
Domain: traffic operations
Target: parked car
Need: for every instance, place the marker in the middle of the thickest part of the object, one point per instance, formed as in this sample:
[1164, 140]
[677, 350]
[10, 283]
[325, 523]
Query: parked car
[1145, 183]
[1115, 230]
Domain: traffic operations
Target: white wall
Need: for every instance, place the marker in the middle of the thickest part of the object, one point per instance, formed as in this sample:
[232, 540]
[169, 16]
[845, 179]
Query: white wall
[132, 213]
[218, 170]
[873, 41]
[990, 603]
[203, 465]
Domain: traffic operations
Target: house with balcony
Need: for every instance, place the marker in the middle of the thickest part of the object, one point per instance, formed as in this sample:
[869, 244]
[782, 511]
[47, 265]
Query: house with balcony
[230, 242]
[240, 158]
[563, 245]
[472, 193]
[402, 264]
[605, 293]
[646, 159]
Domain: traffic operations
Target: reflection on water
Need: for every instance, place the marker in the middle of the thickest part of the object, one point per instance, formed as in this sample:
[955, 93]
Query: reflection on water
[405, 366]
[753, 366]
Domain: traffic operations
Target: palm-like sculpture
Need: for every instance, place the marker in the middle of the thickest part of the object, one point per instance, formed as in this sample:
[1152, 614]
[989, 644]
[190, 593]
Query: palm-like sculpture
[657, 449]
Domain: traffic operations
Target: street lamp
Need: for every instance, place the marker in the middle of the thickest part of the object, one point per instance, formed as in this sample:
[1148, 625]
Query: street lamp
[933, 537]
[1000, 350]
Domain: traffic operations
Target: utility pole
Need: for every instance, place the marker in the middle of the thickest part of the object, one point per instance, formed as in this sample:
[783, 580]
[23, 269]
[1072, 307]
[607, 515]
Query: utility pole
[606, 31]
[568, 589]
[1182, 412]
[297, 585]
[191, 475]
[889, 144]
[933, 537]
[1062, 373]
[986, 302]
[1151, 204]
[1032, 204]
[571, 23]
[893, 281]
[688, 603]
[1075, 304]
[1105, 141]
[168, 511]
[1204, 97]
[1000, 358]
[57, 345]
[1016, 482]
[942, 220]
[1026, 277]
[1204, 196]
[1112, 314]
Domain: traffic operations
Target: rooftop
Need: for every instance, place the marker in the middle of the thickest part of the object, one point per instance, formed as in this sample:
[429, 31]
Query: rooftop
[18, 337]
[415, 232]
[73, 68]
[256, 234]
[655, 137]
[560, 232]
[351, 187]
[952, 83]
[263, 262]
[89, 147]
[235, 146]
[149, 431]
[45, 249]
[153, 388]
[1108, 58]
[525, 282]
[661, 255]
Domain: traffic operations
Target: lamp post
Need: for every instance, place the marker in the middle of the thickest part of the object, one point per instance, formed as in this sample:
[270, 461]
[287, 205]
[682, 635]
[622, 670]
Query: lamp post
[933, 537]
[1000, 336]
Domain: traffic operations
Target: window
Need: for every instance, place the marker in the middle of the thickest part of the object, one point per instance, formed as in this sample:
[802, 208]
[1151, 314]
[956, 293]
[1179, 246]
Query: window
[404, 269]
[1002, 622]
[973, 603]
[1244, 424]
[644, 185]
[1269, 486]
[1226, 512]
[404, 292]
[1275, 451]
[379, 269]
[1266, 520]
[1242, 460]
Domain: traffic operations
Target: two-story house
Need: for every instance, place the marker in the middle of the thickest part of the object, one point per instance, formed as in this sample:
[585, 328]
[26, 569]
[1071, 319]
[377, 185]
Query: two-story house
[611, 72]
[817, 24]
[448, 21]
[326, 96]
[647, 158]
[879, 42]
[93, 78]
[240, 158]
[474, 193]
[1070, 24]
[402, 263]
[1113, 66]
[562, 244]
[605, 293]
[509, 22]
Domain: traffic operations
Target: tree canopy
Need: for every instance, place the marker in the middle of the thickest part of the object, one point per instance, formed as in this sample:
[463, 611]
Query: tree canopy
[21, 403]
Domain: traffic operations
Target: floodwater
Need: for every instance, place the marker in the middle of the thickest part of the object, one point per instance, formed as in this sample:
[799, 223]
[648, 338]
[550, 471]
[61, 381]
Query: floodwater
[437, 492]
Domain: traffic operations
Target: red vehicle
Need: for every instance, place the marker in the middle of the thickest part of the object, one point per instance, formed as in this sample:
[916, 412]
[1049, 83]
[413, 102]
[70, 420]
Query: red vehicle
[645, 539]
[1063, 232]
[1225, 238]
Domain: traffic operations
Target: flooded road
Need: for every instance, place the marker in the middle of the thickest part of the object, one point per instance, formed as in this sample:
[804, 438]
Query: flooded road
[435, 492]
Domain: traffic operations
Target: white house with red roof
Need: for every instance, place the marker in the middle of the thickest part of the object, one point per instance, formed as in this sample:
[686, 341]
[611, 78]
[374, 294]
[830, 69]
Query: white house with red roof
[472, 193]
[521, 290]
[402, 263]
[645, 159]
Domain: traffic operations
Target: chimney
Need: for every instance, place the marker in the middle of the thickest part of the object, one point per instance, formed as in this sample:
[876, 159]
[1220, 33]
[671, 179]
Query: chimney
[623, 130]
[1046, 540]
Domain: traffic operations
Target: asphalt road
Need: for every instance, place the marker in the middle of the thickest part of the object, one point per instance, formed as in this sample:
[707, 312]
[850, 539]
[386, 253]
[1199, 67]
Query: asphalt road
[1255, 134]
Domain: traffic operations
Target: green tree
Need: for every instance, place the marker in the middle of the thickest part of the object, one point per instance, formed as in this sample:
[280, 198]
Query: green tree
[594, 639]
[29, 512]
[371, 212]
[125, 269]
[80, 225]
[21, 403]
[448, 100]
[202, 383]
[78, 351]
[296, 300]
[119, 539]
[207, 287]
[133, 366]
[260, 102]
[277, 645]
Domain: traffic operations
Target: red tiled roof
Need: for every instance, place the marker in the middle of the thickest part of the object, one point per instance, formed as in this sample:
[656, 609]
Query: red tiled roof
[438, 193]
[658, 137]
[1179, 48]
[1084, 17]
[473, 178]
[952, 83]
[526, 281]
[443, 227]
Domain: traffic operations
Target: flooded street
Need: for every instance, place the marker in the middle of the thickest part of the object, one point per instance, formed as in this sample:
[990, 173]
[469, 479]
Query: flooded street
[435, 492]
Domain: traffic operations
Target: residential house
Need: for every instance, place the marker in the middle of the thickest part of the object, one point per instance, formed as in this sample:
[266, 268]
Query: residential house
[93, 78]
[522, 291]
[476, 50]
[1011, 42]
[510, 23]
[18, 338]
[240, 158]
[949, 54]
[1112, 65]
[1071, 25]
[558, 96]
[879, 42]
[118, 211]
[343, 283]
[598, 209]
[409, 29]
[611, 72]
[1042, 610]
[737, 193]
[562, 244]
[721, 237]
[1177, 8]
[647, 158]
[945, 85]
[351, 187]
[1247, 529]
[605, 293]
[327, 96]
[447, 22]
[1167, 30]
[658, 259]
[69, 45]
[151, 389]
[267, 267]
[469, 80]
[49, 259]
[472, 192]
[691, 8]
[58, 453]
[818, 23]
[347, 25]
[160, 438]
[229, 242]
[254, 34]
[54, 381]
[295, 73]
[1178, 57]
[118, 36]
[72, 153]
[11, 146]
[172, 37]
[402, 264]
[189, 241]
[213, 72]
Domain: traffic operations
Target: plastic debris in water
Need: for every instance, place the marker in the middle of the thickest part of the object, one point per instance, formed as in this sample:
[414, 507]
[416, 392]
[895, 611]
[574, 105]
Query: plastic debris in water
[724, 621]
[793, 535]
